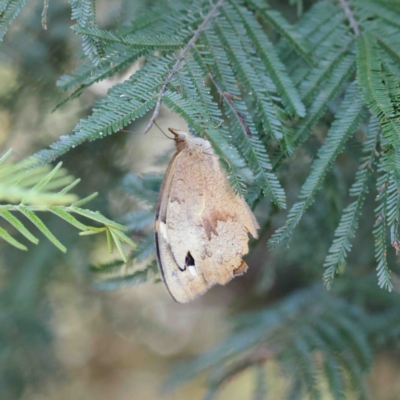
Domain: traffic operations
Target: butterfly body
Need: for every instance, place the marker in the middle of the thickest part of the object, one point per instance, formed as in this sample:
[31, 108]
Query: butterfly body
[201, 227]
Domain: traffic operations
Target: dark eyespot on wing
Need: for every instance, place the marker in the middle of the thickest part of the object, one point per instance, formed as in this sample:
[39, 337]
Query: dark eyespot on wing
[189, 260]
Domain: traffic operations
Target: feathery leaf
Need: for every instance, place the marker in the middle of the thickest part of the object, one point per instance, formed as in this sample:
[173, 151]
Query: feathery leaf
[349, 221]
[9, 9]
[348, 118]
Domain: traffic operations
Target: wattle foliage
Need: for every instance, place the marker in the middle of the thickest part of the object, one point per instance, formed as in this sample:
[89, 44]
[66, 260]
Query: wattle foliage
[257, 87]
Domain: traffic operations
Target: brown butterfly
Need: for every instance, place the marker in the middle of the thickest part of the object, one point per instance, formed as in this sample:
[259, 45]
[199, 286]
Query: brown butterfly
[201, 225]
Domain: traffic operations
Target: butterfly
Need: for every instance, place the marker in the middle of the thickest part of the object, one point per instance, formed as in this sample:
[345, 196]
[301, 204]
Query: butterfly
[201, 224]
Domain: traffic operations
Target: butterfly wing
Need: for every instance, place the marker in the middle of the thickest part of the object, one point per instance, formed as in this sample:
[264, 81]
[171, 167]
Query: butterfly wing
[202, 226]
[163, 250]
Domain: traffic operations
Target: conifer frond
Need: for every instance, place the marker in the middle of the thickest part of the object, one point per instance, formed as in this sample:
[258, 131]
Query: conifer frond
[312, 82]
[332, 370]
[380, 10]
[139, 266]
[126, 272]
[9, 9]
[83, 12]
[145, 248]
[330, 90]
[212, 12]
[393, 208]
[255, 86]
[317, 18]
[290, 334]
[306, 370]
[225, 81]
[138, 220]
[136, 42]
[117, 58]
[125, 102]
[266, 52]
[281, 25]
[374, 91]
[144, 187]
[20, 184]
[251, 146]
[241, 130]
[349, 221]
[259, 84]
[321, 25]
[368, 64]
[335, 339]
[158, 20]
[383, 271]
[389, 41]
[391, 61]
[107, 268]
[349, 115]
[119, 281]
[29, 190]
[270, 113]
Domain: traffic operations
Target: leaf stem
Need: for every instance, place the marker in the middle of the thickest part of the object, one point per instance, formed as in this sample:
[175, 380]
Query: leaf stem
[350, 16]
[223, 94]
[178, 62]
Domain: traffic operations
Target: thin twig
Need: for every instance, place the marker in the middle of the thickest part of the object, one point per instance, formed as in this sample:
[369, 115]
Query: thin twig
[44, 14]
[178, 62]
[238, 116]
[350, 16]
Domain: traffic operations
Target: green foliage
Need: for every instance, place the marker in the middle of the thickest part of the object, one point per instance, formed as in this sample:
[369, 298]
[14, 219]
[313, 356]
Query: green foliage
[41, 189]
[115, 275]
[380, 95]
[9, 9]
[140, 265]
[160, 42]
[348, 223]
[351, 113]
[266, 52]
[278, 22]
[83, 11]
[310, 333]
[249, 73]
[380, 234]
[264, 92]
[130, 100]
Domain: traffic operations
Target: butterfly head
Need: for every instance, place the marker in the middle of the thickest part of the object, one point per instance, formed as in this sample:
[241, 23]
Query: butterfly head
[179, 136]
[194, 145]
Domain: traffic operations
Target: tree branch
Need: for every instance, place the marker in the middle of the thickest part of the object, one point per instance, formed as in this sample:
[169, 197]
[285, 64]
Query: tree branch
[350, 16]
[238, 116]
[179, 60]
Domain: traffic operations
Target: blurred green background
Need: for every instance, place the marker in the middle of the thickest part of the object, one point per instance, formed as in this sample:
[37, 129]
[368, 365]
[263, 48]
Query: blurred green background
[62, 339]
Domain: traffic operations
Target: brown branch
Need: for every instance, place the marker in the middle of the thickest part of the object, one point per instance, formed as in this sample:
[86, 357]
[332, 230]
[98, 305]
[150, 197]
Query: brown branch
[239, 117]
[179, 60]
[350, 16]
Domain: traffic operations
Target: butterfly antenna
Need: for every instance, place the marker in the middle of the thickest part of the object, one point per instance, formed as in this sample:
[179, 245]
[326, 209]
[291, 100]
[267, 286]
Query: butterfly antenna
[155, 123]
